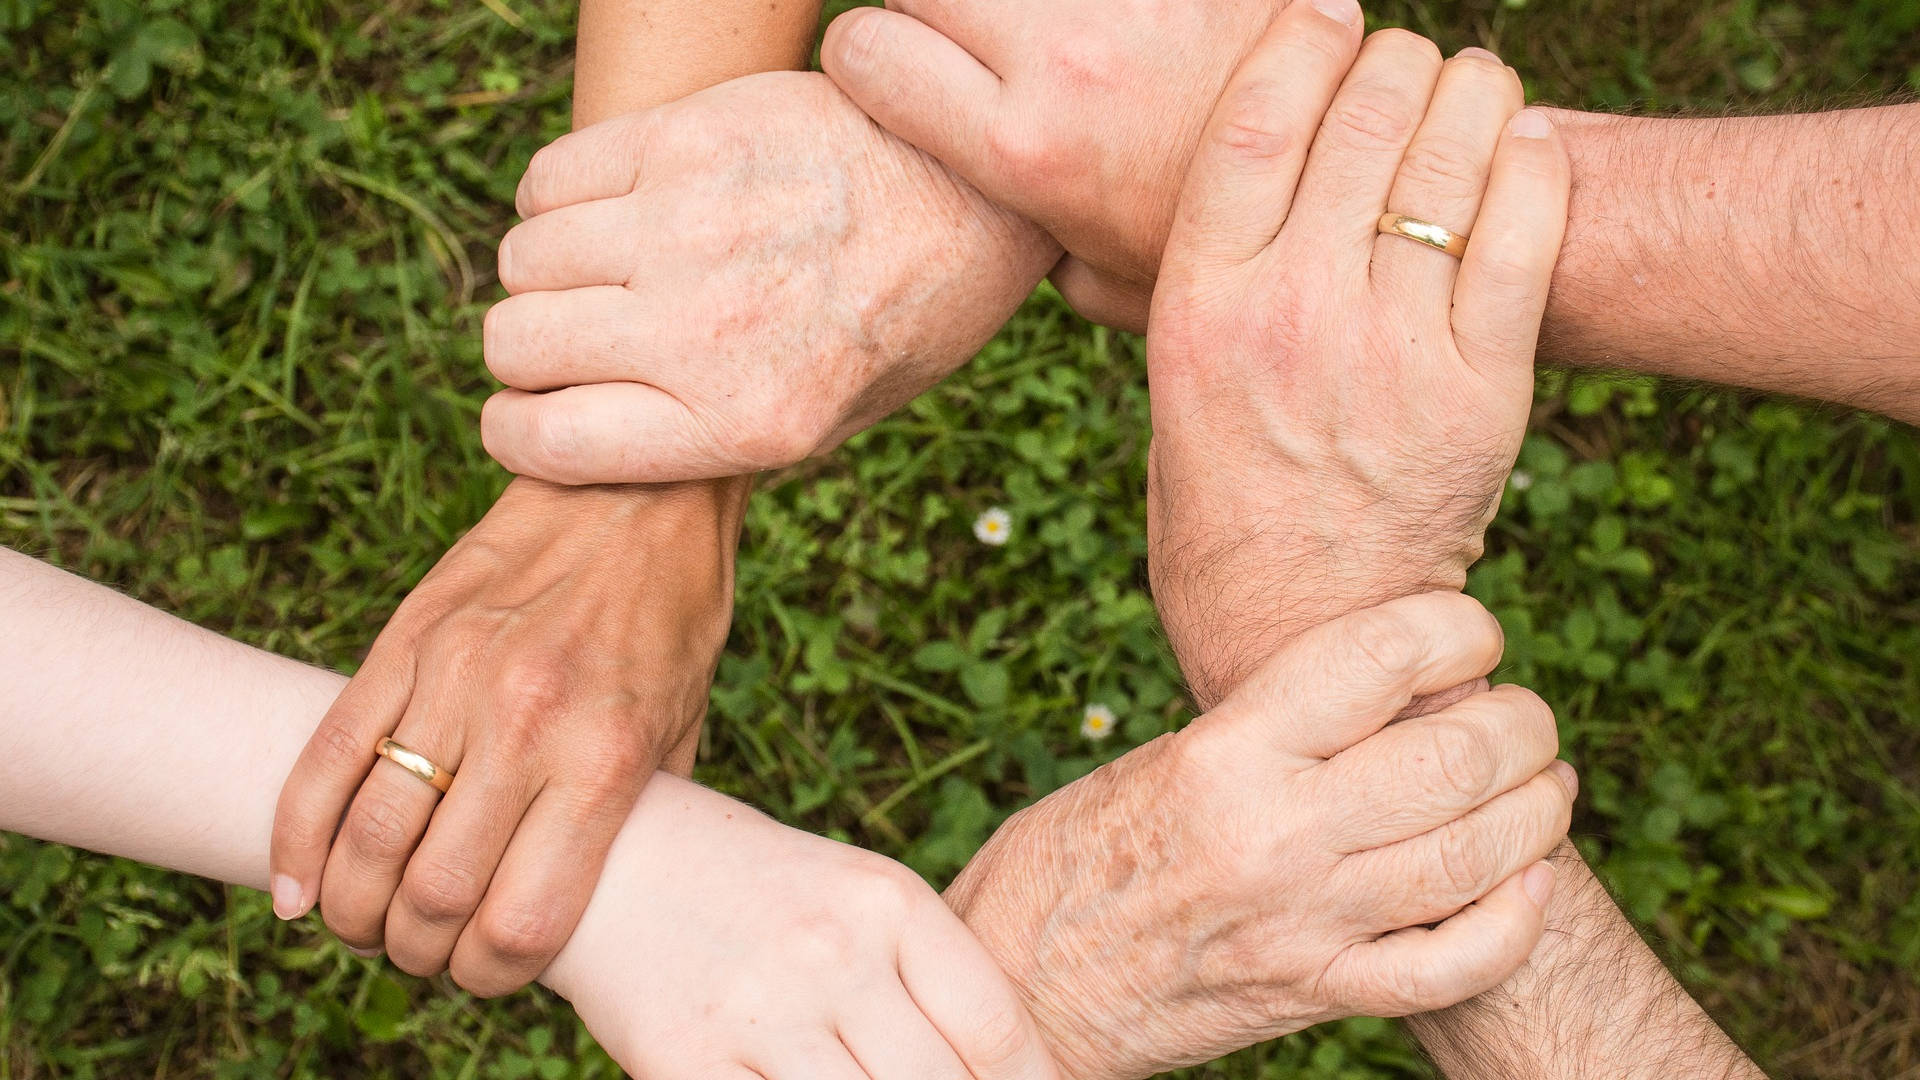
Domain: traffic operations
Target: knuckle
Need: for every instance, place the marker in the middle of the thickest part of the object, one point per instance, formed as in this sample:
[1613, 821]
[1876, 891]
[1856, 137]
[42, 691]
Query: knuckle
[1385, 643]
[1255, 126]
[521, 934]
[825, 942]
[378, 828]
[1530, 715]
[1460, 863]
[996, 1039]
[443, 895]
[1372, 116]
[1443, 164]
[779, 438]
[555, 435]
[1457, 761]
[888, 892]
[531, 686]
[1026, 155]
[339, 744]
[1510, 274]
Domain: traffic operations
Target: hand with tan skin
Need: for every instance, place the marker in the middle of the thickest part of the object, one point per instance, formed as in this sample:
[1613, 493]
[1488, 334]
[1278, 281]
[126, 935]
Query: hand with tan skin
[1268, 417]
[549, 663]
[1299, 467]
[1726, 250]
[1335, 410]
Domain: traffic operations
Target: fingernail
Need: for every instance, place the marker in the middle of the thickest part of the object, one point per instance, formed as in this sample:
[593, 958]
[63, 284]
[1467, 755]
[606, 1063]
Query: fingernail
[1531, 124]
[500, 259]
[1477, 53]
[1538, 882]
[1344, 12]
[364, 954]
[289, 901]
[1567, 776]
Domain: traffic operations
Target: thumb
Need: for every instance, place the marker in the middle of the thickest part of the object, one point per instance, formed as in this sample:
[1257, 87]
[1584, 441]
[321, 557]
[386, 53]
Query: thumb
[915, 82]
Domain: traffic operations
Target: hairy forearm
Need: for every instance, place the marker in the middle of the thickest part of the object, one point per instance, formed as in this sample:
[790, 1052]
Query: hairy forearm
[1592, 1002]
[1765, 252]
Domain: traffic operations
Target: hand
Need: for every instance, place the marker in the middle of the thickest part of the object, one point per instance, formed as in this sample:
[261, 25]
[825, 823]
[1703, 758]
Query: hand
[734, 282]
[723, 945]
[557, 654]
[1335, 411]
[1274, 865]
[1080, 115]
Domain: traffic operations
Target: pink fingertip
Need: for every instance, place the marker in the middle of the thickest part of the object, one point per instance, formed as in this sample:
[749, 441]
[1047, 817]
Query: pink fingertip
[1538, 883]
[289, 899]
[1531, 124]
[1344, 12]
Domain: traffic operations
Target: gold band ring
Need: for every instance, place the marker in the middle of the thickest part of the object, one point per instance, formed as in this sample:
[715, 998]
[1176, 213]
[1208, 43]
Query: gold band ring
[1424, 232]
[415, 763]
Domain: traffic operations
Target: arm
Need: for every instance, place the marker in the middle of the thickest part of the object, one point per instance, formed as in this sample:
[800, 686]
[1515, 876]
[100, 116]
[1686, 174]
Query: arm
[1366, 360]
[567, 599]
[1772, 253]
[1592, 1002]
[1769, 252]
[767, 951]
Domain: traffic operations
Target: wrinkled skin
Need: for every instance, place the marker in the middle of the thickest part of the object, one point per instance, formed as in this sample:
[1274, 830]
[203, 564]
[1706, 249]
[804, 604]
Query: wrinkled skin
[1335, 411]
[1276, 864]
[734, 282]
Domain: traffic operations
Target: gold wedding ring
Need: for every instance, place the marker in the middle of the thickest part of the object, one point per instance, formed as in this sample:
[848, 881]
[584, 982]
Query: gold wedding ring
[415, 763]
[1425, 232]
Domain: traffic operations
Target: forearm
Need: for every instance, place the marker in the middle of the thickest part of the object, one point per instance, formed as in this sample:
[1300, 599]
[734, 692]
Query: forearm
[127, 731]
[632, 55]
[1592, 1002]
[1765, 252]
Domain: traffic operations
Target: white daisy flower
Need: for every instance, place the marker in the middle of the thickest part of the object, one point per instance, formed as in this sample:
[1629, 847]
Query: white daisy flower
[1521, 480]
[1097, 722]
[994, 527]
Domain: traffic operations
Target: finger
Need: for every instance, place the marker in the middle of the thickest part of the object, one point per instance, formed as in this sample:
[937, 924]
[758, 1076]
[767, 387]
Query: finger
[1441, 871]
[915, 82]
[1439, 766]
[540, 889]
[598, 162]
[612, 433]
[449, 872]
[546, 340]
[1445, 172]
[1357, 152]
[893, 1038]
[1240, 184]
[821, 1058]
[1502, 290]
[1418, 970]
[1102, 298]
[571, 247]
[388, 816]
[331, 767]
[956, 984]
[1342, 681]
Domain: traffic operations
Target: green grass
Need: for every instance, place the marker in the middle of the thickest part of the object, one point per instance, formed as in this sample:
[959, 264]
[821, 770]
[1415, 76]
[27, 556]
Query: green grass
[244, 250]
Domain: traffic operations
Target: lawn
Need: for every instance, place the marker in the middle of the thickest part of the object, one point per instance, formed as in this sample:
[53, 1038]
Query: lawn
[244, 252]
